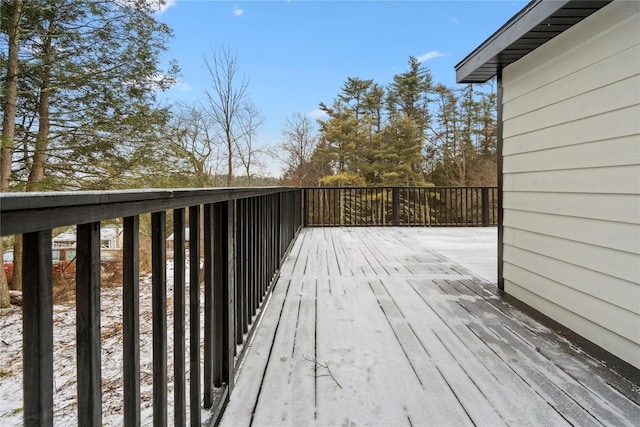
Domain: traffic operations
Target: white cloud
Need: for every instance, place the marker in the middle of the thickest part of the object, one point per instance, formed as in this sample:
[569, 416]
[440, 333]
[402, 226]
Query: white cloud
[454, 20]
[317, 114]
[238, 12]
[429, 55]
[183, 86]
[159, 6]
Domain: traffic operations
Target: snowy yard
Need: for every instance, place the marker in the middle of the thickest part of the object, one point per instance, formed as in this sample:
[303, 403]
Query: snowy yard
[65, 402]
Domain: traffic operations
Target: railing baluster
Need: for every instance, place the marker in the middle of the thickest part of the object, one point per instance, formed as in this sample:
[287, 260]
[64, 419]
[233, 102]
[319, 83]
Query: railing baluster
[209, 339]
[229, 324]
[194, 315]
[246, 289]
[88, 325]
[263, 247]
[241, 266]
[252, 266]
[485, 207]
[224, 292]
[131, 320]
[395, 196]
[259, 255]
[447, 207]
[305, 209]
[37, 321]
[159, 314]
[180, 403]
[223, 284]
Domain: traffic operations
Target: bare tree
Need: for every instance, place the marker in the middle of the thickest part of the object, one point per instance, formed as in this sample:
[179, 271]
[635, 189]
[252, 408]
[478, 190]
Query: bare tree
[226, 99]
[251, 119]
[195, 143]
[298, 145]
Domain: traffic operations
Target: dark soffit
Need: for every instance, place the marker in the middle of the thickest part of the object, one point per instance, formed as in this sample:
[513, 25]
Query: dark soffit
[537, 23]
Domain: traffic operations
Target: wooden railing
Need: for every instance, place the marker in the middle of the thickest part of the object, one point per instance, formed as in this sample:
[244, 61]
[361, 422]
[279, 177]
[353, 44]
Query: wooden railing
[233, 242]
[237, 241]
[405, 206]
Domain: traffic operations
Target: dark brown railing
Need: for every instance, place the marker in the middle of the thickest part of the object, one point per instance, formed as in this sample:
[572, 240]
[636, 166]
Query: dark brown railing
[237, 240]
[406, 206]
[244, 235]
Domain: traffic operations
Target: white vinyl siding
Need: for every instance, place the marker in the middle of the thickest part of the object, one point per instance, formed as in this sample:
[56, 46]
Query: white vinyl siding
[571, 179]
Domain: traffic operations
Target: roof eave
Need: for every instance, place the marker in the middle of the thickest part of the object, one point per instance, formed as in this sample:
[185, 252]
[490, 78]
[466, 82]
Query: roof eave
[502, 48]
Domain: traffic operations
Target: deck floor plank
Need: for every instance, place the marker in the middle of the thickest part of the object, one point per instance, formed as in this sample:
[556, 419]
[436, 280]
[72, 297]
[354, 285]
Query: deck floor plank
[284, 377]
[378, 327]
[360, 350]
[502, 387]
[544, 363]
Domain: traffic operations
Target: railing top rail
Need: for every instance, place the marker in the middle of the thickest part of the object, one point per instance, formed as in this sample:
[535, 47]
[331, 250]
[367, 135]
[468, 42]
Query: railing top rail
[382, 187]
[28, 212]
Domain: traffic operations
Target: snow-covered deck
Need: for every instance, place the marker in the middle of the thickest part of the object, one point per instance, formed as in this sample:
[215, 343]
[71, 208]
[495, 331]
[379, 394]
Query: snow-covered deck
[403, 326]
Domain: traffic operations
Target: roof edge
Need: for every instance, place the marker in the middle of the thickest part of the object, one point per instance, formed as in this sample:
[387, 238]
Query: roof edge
[516, 27]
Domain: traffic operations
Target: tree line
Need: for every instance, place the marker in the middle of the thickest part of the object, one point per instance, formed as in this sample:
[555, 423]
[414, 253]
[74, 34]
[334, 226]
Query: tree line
[79, 98]
[409, 132]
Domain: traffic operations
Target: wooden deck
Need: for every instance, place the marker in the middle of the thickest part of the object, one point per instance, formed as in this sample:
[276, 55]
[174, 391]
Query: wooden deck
[374, 326]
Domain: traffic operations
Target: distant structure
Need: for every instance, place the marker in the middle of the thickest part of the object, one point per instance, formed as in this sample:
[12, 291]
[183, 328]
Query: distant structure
[110, 238]
[568, 75]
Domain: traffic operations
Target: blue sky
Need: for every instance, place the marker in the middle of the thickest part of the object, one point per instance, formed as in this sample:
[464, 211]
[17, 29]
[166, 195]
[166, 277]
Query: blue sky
[299, 53]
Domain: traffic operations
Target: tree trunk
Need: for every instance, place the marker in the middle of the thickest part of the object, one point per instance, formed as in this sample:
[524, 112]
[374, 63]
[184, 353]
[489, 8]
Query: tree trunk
[16, 282]
[7, 144]
[11, 95]
[230, 163]
[40, 156]
[5, 299]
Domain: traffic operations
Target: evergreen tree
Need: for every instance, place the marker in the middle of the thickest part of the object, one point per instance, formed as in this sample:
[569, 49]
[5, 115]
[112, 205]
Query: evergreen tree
[400, 153]
[408, 95]
[374, 105]
[339, 133]
[88, 74]
[408, 133]
[354, 95]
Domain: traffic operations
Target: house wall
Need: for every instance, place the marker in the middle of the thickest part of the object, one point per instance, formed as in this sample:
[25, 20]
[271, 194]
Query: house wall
[571, 171]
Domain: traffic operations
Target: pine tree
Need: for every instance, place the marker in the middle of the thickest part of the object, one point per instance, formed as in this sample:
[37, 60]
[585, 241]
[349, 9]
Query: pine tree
[408, 95]
[88, 76]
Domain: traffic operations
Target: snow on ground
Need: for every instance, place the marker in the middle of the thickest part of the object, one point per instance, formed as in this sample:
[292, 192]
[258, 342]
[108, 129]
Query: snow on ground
[65, 390]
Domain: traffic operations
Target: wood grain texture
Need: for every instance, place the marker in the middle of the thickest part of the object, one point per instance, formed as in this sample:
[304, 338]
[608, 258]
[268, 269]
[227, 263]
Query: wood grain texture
[374, 326]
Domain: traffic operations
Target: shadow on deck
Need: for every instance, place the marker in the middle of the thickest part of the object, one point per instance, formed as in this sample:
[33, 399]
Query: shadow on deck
[393, 326]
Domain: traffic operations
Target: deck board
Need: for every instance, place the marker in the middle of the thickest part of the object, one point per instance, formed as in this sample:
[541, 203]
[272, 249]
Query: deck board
[378, 326]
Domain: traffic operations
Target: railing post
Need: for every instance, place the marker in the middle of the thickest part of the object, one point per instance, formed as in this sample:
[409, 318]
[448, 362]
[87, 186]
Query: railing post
[485, 206]
[209, 337]
[179, 383]
[131, 321]
[224, 291]
[229, 325]
[88, 325]
[305, 207]
[395, 203]
[194, 315]
[241, 267]
[37, 335]
[159, 316]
